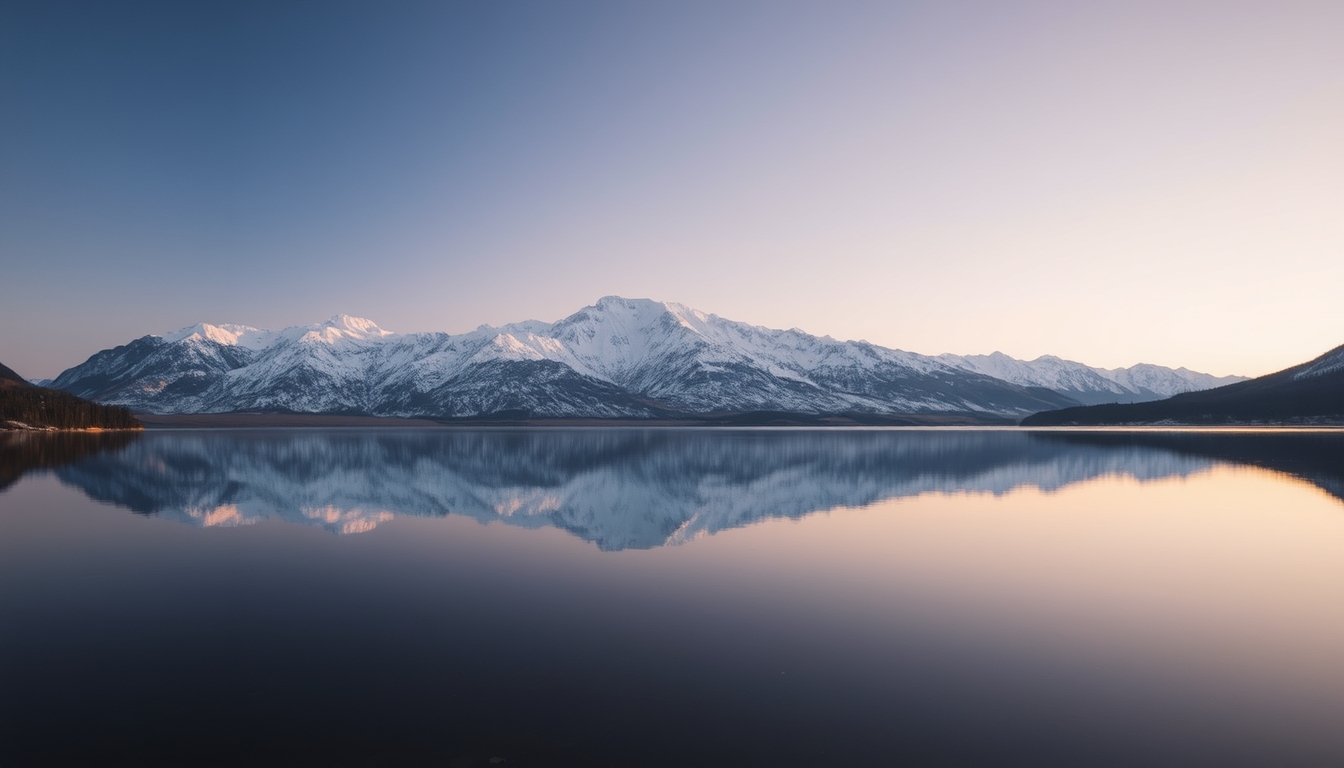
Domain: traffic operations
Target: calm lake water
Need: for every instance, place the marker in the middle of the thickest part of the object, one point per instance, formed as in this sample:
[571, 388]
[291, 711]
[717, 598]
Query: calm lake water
[615, 597]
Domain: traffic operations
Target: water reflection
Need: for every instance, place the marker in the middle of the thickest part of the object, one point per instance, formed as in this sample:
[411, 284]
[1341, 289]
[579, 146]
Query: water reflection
[1314, 456]
[1119, 623]
[630, 488]
[23, 452]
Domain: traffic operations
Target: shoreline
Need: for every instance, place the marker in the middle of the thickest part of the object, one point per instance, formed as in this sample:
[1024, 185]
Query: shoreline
[161, 422]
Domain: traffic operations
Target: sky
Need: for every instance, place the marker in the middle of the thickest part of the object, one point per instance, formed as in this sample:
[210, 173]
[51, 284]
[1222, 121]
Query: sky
[1112, 183]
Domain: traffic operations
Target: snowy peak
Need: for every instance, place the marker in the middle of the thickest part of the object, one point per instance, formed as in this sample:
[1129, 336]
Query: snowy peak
[229, 335]
[341, 328]
[642, 314]
[225, 334]
[358, 327]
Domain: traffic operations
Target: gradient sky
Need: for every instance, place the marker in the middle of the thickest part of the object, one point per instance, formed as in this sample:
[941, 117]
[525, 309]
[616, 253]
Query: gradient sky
[1113, 183]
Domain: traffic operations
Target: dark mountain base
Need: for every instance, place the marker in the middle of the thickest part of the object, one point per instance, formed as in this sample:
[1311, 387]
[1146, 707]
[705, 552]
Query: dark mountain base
[508, 419]
[1197, 412]
[760, 419]
[248, 420]
[1116, 415]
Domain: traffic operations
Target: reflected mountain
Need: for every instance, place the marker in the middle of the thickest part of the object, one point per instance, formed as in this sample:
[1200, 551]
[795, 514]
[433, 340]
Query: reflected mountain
[22, 452]
[618, 488]
[1314, 456]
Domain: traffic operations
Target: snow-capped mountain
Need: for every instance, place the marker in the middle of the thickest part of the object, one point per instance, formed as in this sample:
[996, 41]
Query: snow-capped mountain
[1090, 385]
[618, 358]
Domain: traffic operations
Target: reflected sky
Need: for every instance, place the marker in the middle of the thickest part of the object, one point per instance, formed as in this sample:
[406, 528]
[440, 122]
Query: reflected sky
[877, 597]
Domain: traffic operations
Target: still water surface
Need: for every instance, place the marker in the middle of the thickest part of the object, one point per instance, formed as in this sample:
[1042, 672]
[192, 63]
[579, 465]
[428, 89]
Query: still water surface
[673, 597]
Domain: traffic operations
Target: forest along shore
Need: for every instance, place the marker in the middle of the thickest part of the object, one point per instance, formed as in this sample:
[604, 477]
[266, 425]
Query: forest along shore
[28, 408]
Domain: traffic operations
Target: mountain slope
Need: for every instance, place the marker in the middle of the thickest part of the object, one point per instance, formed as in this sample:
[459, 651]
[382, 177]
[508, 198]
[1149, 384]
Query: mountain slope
[8, 378]
[1312, 392]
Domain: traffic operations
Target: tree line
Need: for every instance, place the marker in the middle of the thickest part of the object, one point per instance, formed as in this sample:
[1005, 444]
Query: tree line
[41, 407]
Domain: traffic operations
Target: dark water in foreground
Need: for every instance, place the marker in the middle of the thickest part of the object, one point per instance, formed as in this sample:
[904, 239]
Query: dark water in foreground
[666, 598]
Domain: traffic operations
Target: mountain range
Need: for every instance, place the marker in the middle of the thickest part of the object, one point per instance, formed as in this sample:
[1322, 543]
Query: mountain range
[1306, 394]
[617, 359]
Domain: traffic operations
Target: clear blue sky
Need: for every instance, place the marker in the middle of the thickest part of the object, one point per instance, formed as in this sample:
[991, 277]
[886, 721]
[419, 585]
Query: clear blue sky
[1110, 182]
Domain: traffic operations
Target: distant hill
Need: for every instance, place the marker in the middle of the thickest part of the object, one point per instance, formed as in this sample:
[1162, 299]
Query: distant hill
[8, 378]
[1310, 393]
[26, 407]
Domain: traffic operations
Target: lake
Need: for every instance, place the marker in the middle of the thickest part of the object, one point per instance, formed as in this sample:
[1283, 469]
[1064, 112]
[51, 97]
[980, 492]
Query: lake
[665, 597]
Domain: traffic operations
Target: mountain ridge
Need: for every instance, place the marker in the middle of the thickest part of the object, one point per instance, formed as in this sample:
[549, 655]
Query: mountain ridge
[618, 358]
[1089, 385]
[9, 378]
